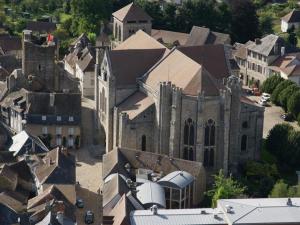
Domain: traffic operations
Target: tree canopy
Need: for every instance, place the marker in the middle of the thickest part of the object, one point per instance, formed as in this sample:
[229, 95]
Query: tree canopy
[225, 187]
[271, 83]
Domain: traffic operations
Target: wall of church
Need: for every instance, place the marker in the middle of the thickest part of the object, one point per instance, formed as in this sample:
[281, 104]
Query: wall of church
[137, 133]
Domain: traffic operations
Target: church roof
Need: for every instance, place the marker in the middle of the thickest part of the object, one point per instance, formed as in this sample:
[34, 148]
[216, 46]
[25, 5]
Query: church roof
[141, 40]
[131, 12]
[128, 65]
[136, 104]
[209, 56]
[203, 35]
[183, 72]
[169, 37]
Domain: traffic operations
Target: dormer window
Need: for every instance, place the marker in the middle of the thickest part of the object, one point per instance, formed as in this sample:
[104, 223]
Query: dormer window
[44, 118]
[71, 118]
[58, 118]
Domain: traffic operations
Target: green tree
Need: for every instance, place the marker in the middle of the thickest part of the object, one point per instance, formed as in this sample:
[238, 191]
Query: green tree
[279, 88]
[225, 187]
[292, 39]
[271, 83]
[259, 178]
[283, 190]
[265, 24]
[245, 23]
[278, 140]
[286, 94]
[279, 190]
[293, 104]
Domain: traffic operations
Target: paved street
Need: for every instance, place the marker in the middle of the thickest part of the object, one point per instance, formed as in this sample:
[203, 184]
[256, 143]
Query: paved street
[88, 169]
[272, 117]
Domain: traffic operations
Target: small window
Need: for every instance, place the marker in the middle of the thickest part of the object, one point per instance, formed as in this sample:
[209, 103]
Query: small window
[144, 143]
[58, 118]
[245, 124]
[58, 130]
[44, 118]
[71, 118]
[71, 131]
[45, 130]
[244, 143]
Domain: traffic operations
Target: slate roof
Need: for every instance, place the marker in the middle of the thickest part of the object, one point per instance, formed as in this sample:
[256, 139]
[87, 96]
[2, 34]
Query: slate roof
[211, 57]
[131, 12]
[203, 36]
[22, 169]
[6, 157]
[40, 26]
[169, 37]
[128, 65]
[265, 46]
[9, 63]
[64, 103]
[56, 169]
[12, 203]
[183, 72]
[135, 104]
[292, 17]
[15, 100]
[86, 62]
[10, 43]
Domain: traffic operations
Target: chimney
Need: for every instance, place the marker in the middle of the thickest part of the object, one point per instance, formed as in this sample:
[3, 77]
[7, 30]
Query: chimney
[154, 209]
[27, 35]
[282, 51]
[257, 41]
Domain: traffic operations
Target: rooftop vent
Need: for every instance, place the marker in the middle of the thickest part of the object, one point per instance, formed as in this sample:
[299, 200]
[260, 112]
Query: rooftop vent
[229, 209]
[203, 212]
[289, 202]
[154, 209]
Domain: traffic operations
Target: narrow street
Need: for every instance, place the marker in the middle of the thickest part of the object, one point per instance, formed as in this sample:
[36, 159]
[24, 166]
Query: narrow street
[88, 168]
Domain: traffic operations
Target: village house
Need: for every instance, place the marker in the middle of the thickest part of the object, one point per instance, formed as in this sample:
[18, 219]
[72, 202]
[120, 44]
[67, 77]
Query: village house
[290, 20]
[255, 57]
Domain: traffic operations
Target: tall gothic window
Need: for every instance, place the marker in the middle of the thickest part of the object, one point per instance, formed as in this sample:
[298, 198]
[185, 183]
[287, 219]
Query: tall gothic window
[189, 140]
[209, 143]
[144, 143]
[244, 143]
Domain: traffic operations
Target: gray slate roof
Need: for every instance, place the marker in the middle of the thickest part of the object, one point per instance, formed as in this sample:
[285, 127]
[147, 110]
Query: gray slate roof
[265, 46]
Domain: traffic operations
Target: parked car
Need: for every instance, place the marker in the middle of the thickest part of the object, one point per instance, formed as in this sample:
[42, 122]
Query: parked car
[266, 96]
[79, 203]
[89, 217]
[262, 102]
[286, 117]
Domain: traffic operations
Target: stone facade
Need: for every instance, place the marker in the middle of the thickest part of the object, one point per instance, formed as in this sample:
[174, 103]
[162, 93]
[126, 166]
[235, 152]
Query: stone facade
[203, 128]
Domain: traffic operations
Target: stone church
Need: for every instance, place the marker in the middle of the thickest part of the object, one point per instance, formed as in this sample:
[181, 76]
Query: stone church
[184, 102]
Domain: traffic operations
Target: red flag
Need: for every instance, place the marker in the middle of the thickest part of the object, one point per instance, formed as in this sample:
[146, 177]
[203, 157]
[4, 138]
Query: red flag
[50, 38]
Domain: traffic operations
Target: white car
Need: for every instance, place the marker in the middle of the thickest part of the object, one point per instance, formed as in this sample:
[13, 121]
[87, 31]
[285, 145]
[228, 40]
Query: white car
[266, 96]
[262, 102]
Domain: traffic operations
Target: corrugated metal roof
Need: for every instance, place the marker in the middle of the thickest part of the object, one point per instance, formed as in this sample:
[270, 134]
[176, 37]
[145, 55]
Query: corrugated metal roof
[177, 179]
[150, 194]
[177, 216]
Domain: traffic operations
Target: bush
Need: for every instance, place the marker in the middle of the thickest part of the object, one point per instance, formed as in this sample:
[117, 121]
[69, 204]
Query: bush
[279, 88]
[283, 190]
[293, 104]
[271, 83]
[286, 94]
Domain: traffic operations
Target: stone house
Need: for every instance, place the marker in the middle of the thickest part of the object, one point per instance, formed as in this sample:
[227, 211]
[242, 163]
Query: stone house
[287, 66]
[255, 57]
[291, 19]
[183, 103]
[85, 71]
